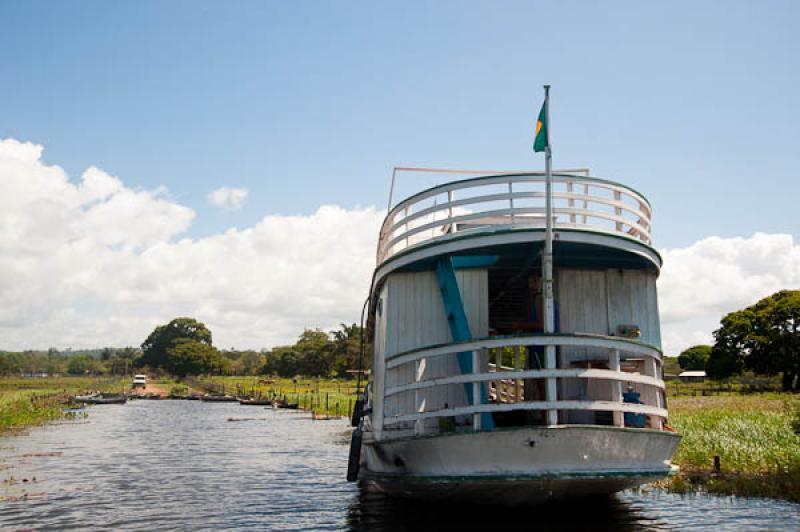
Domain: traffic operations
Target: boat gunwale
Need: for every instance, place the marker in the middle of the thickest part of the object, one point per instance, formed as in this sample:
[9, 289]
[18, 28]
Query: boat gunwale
[634, 430]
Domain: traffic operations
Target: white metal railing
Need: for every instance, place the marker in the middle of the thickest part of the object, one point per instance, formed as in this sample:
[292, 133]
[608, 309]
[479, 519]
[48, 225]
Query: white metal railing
[508, 382]
[514, 201]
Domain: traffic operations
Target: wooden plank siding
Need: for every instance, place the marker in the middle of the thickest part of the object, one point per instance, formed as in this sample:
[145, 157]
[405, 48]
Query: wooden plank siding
[414, 316]
[599, 301]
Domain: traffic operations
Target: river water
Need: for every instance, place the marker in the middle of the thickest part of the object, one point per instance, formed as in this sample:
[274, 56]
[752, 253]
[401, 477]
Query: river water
[162, 465]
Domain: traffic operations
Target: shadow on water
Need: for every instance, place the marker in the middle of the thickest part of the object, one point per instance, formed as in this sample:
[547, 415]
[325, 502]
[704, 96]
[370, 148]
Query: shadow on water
[374, 511]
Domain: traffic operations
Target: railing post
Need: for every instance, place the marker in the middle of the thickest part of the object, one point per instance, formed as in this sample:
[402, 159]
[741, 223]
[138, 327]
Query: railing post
[517, 367]
[551, 394]
[511, 202]
[651, 370]
[616, 386]
[450, 210]
[405, 213]
[498, 367]
[571, 203]
[585, 201]
[476, 390]
[618, 210]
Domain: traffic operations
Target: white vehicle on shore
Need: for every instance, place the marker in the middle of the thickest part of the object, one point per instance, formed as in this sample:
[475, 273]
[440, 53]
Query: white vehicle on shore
[140, 381]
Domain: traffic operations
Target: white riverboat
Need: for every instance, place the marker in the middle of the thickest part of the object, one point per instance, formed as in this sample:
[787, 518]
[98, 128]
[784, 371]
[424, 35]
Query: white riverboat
[468, 397]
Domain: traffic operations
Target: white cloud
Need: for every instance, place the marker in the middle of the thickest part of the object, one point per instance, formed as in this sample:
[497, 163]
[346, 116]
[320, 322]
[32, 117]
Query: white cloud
[94, 263]
[230, 199]
[701, 283]
[97, 263]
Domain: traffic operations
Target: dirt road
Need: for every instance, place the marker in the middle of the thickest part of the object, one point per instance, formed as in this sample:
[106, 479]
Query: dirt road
[158, 389]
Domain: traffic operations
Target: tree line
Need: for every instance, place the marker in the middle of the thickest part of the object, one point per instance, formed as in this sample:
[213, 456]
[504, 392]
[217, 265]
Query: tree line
[762, 338]
[106, 361]
[184, 347]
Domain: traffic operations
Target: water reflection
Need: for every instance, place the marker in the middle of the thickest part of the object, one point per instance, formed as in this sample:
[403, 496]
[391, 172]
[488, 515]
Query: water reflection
[373, 511]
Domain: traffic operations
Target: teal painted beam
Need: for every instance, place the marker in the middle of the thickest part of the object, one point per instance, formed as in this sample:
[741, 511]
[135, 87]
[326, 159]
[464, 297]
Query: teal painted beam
[474, 261]
[459, 328]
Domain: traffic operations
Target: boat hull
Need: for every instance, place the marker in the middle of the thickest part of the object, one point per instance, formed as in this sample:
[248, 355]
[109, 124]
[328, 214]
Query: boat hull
[519, 466]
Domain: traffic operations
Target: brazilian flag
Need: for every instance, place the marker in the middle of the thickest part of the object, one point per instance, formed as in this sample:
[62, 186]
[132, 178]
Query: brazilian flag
[541, 141]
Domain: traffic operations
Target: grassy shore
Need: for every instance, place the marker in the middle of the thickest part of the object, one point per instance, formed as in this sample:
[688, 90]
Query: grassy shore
[328, 397]
[32, 401]
[753, 436]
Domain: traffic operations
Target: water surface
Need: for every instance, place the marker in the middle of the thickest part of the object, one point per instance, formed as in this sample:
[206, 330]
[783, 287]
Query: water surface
[161, 465]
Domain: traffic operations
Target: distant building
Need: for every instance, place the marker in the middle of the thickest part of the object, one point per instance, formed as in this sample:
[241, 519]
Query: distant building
[693, 376]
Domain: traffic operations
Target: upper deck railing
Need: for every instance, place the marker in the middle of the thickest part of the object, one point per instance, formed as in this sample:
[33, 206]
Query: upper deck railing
[514, 201]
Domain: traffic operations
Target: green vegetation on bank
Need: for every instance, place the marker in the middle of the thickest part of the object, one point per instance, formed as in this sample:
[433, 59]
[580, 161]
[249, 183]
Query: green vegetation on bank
[754, 437]
[32, 401]
[763, 338]
[329, 397]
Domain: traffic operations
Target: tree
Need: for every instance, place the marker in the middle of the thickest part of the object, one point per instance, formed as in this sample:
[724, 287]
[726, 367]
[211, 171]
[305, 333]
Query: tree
[79, 364]
[694, 358]
[315, 353]
[186, 356]
[346, 349]
[154, 348]
[722, 364]
[764, 337]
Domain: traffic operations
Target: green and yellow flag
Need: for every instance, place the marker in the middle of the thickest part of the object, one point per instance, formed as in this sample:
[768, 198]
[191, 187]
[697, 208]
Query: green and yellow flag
[540, 142]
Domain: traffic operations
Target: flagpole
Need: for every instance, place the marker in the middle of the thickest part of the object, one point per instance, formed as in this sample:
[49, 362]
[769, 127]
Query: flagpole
[547, 265]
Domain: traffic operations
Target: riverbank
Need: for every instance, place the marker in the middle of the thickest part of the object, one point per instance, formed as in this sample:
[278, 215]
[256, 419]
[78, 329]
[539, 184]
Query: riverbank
[752, 436]
[29, 401]
[325, 397]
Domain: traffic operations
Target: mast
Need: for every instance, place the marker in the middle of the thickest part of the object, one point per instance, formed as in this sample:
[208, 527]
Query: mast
[547, 264]
[547, 259]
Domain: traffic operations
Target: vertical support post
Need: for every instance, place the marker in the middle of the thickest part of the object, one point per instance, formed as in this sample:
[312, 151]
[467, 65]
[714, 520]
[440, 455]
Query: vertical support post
[511, 201]
[571, 203]
[459, 329]
[419, 400]
[653, 394]
[450, 208]
[618, 210]
[585, 201]
[547, 266]
[377, 396]
[405, 215]
[391, 190]
[616, 386]
[498, 367]
[517, 367]
[476, 390]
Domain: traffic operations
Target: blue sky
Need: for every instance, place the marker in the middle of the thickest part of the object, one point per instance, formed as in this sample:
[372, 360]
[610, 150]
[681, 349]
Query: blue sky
[309, 103]
[306, 104]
